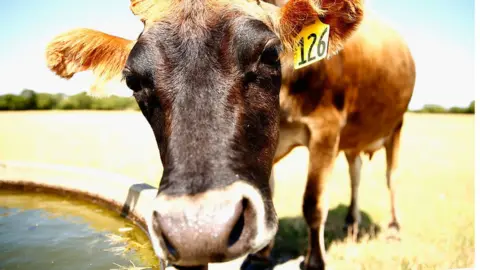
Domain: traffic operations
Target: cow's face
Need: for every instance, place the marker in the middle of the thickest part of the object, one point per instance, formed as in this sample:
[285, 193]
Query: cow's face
[206, 75]
[207, 80]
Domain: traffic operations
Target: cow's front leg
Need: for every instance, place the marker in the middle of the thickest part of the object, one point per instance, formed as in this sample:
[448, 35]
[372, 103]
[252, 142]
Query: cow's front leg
[323, 151]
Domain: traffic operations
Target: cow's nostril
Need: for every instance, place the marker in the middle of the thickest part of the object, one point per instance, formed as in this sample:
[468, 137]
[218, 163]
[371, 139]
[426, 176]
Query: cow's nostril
[169, 246]
[237, 231]
[159, 231]
[238, 228]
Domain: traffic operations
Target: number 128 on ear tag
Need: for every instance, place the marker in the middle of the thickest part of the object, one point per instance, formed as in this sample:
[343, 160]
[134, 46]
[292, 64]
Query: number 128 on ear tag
[311, 44]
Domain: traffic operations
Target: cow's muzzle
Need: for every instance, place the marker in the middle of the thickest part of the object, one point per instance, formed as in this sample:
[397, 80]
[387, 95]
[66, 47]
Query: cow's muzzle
[215, 226]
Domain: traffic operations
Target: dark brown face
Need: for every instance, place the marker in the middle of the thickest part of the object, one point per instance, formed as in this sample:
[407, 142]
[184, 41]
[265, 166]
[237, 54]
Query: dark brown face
[209, 87]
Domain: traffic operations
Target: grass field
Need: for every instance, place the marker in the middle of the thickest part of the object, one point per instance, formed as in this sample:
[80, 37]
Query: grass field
[435, 183]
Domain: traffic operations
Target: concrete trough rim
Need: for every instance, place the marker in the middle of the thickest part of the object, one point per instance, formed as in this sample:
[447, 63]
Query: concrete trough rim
[127, 196]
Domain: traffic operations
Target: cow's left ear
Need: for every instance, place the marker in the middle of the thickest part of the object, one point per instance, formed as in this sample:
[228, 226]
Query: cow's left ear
[343, 16]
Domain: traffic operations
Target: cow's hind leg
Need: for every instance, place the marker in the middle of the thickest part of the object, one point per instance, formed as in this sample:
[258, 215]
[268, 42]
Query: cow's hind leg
[392, 146]
[323, 151]
[353, 218]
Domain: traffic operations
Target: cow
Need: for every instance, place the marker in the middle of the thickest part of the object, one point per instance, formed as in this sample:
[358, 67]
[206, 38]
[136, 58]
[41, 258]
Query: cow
[353, 102]
[216, 82]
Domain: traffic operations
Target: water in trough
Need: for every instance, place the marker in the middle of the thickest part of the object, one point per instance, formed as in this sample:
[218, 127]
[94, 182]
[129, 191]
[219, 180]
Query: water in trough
[39, 231]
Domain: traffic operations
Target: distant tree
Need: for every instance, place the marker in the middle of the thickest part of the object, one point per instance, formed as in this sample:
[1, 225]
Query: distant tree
[467, 110]
[433, 108]
[456, 110]
[12, 102]
[114, 103]
[3, 103]
[79, 101]
[30, 99]
[46, 101]
[471, 107]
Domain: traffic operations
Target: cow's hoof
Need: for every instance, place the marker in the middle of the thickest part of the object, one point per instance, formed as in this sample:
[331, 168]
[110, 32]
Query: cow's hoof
[352, 224]
[312, 264]
[394, 225]
[351, 230]
[253, 262]
[311, 267]
[394, 231]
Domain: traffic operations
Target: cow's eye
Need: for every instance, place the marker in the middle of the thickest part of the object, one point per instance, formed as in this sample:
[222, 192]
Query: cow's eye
[271, 53]
[133, 82]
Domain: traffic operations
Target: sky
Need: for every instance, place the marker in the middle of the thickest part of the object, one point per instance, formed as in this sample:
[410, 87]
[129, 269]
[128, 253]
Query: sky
[440, 34]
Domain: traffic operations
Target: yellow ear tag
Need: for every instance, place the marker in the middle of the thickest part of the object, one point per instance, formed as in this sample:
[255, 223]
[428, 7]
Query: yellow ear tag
[311, 44]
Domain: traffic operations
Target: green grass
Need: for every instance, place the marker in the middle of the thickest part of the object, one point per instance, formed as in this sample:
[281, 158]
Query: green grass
[435, 183]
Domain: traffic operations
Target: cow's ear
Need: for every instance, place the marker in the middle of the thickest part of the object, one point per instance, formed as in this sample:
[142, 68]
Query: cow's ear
[343, 16]
[85, 49]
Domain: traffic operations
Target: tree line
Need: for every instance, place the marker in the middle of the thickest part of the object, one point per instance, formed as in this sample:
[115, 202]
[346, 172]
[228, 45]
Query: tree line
[31, 100]
[433, 108]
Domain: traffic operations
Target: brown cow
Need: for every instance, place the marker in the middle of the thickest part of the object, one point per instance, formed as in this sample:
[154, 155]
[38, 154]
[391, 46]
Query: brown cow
[353, 102]
[209, 76]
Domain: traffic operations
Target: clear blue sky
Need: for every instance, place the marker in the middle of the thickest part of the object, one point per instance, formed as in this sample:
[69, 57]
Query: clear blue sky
[440, 34]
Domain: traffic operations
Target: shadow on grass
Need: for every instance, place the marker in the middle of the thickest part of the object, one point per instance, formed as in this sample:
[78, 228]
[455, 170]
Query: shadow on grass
[291, 240]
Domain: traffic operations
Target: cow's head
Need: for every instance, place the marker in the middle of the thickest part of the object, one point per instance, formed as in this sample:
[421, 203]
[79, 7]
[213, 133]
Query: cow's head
[206, 75]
